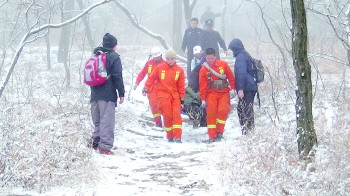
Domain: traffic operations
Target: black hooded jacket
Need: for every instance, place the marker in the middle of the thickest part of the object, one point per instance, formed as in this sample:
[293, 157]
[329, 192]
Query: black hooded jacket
[108, 91]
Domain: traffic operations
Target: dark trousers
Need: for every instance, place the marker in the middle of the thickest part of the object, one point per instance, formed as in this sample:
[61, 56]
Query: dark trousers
[189, 59]
[245, 111]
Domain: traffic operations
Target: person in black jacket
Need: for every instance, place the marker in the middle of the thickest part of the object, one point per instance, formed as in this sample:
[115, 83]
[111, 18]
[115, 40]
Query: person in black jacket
[245, 85]
[211, 38]
[191, 39]
[104, 98]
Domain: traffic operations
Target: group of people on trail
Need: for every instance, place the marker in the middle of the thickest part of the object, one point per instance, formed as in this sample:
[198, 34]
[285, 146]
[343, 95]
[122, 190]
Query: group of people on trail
[206, 99]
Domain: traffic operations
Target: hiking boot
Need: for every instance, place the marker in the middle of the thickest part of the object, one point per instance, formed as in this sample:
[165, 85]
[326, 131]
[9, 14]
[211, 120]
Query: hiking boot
[171, 140]
[220, 137]
[106, 152]
[211, 140]
[177, 140]
[244, 132]
[95, 142]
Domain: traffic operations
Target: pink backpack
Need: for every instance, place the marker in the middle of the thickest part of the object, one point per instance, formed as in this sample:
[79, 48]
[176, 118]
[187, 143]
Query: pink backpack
[95, 73]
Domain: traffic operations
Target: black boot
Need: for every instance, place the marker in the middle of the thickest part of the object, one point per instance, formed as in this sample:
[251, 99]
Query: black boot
[220, 137]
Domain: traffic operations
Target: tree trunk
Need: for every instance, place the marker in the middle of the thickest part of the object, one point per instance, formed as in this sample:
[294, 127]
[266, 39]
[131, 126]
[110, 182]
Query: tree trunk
[87, 26]
[188, 12]
[48, 49]
[177, 24]
[223, 16]
[305, 126]
[348, 31]
[64, 39]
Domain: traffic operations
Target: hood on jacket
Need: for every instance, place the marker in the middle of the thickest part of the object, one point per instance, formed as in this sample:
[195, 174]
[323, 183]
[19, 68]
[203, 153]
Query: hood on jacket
[236, 46]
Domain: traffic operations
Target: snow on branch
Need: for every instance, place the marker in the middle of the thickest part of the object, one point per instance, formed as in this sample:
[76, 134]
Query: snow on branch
[33, 31]
[144, 29]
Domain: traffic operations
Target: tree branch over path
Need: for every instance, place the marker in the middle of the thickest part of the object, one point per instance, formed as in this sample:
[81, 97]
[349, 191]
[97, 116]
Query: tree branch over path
[34, 31]
[144, 29]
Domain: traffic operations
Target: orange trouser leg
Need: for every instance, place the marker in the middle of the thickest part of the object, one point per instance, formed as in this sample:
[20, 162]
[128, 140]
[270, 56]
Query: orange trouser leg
[164, 106]
[223, 111]
[177, 119]
[152, 99]
[212, 109]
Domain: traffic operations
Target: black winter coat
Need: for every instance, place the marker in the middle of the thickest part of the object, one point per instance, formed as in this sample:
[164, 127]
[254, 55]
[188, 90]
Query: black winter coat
[244, 81]
[108, 91]
[210, 39]
[191, 39]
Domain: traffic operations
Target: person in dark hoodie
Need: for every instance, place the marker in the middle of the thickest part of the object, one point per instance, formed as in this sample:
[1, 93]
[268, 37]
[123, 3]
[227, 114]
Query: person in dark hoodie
[104, 98]
[245, 85]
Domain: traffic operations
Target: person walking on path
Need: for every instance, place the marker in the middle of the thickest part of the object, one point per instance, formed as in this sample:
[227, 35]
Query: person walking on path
[211, 38]
[104, 98]
[209, 14]
[170, 91]
[191, 39]
[150, 65]
[217, 85]
[246, 85]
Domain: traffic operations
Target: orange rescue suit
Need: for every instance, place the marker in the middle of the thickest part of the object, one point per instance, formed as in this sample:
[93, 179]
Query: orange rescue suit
[170, 90]
[151, 95]
[217, 100]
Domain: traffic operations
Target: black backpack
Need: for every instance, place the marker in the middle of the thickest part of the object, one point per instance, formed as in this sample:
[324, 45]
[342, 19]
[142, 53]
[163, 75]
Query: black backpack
[257, 70]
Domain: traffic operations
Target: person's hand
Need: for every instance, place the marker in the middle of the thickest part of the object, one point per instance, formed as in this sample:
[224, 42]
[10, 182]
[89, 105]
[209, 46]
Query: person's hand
[240, 94]
[135, 86]
[144, 92]
[232, 94]
[203, 105]
[121, 100]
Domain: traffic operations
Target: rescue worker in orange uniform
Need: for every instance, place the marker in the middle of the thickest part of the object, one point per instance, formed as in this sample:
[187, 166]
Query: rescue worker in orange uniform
[170, 91]
[150, 65]
[217, 86]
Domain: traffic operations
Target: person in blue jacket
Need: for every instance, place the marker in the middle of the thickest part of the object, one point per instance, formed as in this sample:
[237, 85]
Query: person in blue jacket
[245, 85]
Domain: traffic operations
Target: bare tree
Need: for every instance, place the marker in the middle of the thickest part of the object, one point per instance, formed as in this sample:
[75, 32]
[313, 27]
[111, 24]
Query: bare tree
[305, 125]
[135, 22]
[62, 57]
[33, 33]
[177, 25]
[87, 27]
[188, 8]
[337, 15]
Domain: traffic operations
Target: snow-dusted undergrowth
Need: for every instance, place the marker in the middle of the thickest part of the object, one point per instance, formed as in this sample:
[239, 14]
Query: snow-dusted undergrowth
[44, 127]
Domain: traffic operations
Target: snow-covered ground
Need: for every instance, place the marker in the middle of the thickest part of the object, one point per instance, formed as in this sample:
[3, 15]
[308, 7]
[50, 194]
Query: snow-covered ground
[44, 127]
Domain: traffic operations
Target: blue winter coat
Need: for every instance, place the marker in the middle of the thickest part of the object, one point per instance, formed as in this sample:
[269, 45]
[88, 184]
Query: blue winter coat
[108, 91]
[244, 81]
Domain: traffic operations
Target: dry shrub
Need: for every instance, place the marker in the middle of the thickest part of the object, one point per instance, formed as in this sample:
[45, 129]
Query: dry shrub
[41, 149]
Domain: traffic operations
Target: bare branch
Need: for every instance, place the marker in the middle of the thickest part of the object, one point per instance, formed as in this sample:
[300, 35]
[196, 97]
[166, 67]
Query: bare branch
[144, 29]
[37, 30]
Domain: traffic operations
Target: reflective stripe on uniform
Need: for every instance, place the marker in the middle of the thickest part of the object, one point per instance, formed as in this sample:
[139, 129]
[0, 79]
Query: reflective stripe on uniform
[156, 115]
[168, 128]
[211, 126]
[177, 75]
[177, 126]
[149, 69]
[162, 75]
[221, 70]
[220, 121]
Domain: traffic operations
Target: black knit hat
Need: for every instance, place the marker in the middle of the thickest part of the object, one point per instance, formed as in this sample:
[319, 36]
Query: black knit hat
[109, 41]
[209, 23]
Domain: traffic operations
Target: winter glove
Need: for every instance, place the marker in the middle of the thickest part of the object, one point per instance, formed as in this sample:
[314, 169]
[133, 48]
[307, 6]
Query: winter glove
[232, 94]
[203, 105]
[135, 86]
[144, 92]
